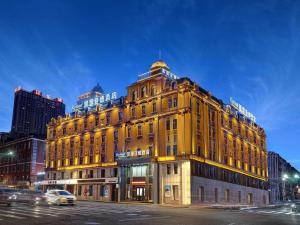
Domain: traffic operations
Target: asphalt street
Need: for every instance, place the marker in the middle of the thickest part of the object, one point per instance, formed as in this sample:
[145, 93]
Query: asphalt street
[96, 213]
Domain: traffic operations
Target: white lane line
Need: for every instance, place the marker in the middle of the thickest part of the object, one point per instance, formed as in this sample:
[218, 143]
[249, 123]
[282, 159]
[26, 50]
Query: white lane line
[132, 214]
[12, 216]
[20, 213]
[152, 218]
[35, 212]
[288, 213]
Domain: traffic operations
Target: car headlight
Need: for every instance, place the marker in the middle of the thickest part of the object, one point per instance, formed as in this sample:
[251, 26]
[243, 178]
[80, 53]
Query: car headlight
[37, 198]
[293, 205]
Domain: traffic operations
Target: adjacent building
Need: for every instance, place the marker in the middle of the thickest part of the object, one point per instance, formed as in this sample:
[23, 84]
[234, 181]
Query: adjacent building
[21, 161]
[32, 111]
[167, 141]
[283, 179]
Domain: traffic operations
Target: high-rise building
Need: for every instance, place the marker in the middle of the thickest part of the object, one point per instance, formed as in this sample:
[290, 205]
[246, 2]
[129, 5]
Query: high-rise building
[32, 111]
[283, 179]
[168, 141]
[21, 161]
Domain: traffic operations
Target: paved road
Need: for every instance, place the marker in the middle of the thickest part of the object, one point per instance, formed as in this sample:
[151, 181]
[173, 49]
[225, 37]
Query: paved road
[95, 213]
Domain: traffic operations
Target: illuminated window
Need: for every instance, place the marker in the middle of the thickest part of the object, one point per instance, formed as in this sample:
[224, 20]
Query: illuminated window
[139, 171]
[175, 192]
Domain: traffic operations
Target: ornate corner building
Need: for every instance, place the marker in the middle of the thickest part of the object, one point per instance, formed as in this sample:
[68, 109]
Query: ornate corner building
[168, 141]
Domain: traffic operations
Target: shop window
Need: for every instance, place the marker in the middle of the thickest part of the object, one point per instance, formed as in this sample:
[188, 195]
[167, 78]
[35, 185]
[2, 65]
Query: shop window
[175, 168]
[79, 190]
[90, 190]
[227, 197]
[239, 196]
[168, 169]
[216, 195]
[175, 192]
[201, 193]
[102, 190]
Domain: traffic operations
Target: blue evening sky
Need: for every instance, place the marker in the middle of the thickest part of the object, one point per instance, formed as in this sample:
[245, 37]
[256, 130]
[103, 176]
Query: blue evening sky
[245, 49]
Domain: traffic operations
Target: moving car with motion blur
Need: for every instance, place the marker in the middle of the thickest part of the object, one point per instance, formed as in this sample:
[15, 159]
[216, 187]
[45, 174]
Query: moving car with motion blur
[7, 196]
[31, 197]
[60, 197]
[295, 207]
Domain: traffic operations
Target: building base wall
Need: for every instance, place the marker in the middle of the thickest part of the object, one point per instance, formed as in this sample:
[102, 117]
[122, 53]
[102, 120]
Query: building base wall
[208, 191]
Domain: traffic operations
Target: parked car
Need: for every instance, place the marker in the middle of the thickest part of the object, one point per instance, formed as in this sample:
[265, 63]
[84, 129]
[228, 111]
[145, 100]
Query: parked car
[60, 197]
[7, 196]
[295, 207]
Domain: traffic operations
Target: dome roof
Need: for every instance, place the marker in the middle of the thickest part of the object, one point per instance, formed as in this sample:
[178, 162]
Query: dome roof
[159, 64]
[97, 88]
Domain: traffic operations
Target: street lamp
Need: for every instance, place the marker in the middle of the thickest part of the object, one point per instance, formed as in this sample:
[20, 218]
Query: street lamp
[285, 177]
[296, 176]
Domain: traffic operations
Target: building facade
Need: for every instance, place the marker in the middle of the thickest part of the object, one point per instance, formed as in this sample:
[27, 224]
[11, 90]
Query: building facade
[283, 179]
[168, 141]
[21, 161]
[32, 111]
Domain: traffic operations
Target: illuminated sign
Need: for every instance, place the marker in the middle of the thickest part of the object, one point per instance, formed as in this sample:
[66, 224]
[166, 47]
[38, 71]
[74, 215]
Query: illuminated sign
[242, 110]
[88, 101]
[129, 154]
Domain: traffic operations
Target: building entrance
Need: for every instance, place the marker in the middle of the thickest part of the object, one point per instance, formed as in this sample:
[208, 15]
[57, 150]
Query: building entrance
[138, 193]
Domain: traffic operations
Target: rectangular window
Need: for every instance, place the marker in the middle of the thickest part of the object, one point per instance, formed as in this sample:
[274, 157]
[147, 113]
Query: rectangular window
[168, 124]
[154, 107]
[80, 175]
[168, 150]
[108, 118]
[120, 114]
[79, 190]
[103, 173]
[174, 124]
[133, 112]
[175, 168]
[151, 128]
[168, 169]
[170, 103]
[239, 196]
[139, 130]
[116, 135]
[216, 195]
[139, 171]
[175, 102]
[174, 149]
[143, 110]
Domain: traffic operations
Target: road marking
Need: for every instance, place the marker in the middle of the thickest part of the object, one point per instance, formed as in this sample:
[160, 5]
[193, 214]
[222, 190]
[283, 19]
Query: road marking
[19, 213]
[91, 223]
[132, 214]
[288, 213]
[152, 218]
[12, 216]
[35, 212]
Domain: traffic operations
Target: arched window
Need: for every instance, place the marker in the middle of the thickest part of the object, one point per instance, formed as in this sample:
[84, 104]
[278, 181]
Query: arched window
[153, 90]
[134, 95]
[173, 85]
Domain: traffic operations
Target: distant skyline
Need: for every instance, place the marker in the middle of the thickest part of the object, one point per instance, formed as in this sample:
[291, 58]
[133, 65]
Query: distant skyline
[248, 50]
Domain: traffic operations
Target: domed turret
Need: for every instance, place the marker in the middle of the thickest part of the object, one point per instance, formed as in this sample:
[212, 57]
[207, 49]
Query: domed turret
[159, 64]
[97, 88]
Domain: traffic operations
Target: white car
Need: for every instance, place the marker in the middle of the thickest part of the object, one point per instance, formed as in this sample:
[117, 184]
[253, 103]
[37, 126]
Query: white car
[60, 197]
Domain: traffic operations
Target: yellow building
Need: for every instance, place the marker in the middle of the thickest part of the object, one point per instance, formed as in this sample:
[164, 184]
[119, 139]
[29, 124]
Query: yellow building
[167, 141]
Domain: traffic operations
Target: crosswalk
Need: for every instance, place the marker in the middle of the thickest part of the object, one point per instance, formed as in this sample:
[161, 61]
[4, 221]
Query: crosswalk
[280, 212]
[121, 212]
